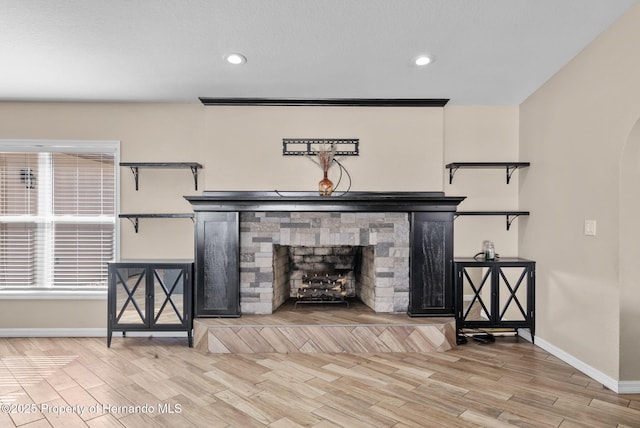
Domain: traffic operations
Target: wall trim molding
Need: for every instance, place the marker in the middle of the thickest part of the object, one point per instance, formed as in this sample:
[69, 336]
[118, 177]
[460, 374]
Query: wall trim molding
[624, 387]
[327, 102]
[53, 332]
[629, 387]
[81, 332]
[40, 294]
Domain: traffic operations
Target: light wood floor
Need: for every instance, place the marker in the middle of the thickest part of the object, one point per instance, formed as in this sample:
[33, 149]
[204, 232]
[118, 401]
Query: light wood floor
[507, 383]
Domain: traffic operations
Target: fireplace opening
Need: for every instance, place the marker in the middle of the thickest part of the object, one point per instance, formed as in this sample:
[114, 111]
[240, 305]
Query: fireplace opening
[321, 274]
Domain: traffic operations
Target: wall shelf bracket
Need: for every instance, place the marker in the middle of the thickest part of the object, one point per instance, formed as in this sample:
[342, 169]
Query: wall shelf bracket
[510, 170]
[509, 215]
[135, 168]
[510, 218]
[135, 221]
[509, 166]
[194, 171]
[452, 172]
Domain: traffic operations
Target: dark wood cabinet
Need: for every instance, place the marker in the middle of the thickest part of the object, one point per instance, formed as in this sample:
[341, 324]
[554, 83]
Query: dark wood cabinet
[150, 295]
[495, 293]
[431, 290]
[217, 276]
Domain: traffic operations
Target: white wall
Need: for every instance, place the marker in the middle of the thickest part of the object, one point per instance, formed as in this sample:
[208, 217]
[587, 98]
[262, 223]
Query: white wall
[483, 134]
[400, 148]
[573, 130]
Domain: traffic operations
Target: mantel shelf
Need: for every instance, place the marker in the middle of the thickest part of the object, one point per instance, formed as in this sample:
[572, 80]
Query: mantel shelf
[135, 218]
[135, 166]
[510, 215]
[509, 166]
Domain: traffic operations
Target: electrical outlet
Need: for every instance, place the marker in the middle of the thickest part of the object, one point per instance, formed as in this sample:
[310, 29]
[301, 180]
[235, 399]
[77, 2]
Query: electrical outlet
[590, 227]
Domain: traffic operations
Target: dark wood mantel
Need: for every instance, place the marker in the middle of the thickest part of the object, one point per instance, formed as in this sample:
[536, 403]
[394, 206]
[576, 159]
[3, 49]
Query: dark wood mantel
[311, 201]
[217, 233]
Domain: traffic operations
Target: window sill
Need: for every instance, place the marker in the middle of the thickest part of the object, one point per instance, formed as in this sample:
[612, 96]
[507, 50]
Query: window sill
[96, 294]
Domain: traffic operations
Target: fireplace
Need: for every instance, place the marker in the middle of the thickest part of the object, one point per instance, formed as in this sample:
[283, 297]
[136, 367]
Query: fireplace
[321, 274]
[277, 248]
[242, 237]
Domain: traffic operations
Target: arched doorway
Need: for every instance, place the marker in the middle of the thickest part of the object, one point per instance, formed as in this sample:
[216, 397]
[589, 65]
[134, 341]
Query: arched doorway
[630, 258]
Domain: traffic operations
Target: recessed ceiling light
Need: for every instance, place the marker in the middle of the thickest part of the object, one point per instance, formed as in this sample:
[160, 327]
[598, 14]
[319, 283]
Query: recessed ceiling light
[236, 58]
[423, 60]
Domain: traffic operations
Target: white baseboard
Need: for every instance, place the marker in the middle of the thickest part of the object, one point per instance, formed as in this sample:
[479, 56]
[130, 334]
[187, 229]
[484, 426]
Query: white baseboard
[82, 332]
[525, 333]
[629, 387]
[624, 387]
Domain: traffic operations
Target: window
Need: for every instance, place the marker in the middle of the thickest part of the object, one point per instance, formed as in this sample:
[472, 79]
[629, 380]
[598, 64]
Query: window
[57, 214]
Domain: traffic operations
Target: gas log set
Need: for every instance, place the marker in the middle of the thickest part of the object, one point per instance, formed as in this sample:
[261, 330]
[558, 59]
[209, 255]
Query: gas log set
[322, 288]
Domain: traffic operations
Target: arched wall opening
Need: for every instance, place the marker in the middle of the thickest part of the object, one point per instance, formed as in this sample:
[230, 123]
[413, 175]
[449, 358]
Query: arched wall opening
[629, 269]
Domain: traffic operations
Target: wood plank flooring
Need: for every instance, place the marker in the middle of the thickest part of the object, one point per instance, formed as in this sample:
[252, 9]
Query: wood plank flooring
[160, 382]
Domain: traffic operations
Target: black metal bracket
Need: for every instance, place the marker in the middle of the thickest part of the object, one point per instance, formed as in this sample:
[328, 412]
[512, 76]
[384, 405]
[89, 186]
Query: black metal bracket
[304, 146]
[194, 171]
[452, 172]
[134, 170]
[509, 215]
[135, 221]
[510, 170]
[510, 218]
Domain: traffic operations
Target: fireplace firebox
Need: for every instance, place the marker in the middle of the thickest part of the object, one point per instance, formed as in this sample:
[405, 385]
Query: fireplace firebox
[323, 274]
[409, 236]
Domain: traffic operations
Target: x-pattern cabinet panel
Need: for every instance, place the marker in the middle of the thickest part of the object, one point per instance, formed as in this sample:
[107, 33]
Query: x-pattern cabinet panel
[150, 296]
[495, 293]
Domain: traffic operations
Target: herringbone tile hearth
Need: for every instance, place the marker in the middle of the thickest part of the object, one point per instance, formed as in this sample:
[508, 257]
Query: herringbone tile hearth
[324, 328]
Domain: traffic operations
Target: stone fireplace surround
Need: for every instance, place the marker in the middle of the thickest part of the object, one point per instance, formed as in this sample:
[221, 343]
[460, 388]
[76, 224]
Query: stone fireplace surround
[386, 233]
[236, 233]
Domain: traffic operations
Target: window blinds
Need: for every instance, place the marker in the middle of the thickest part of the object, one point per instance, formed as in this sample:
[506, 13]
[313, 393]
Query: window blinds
[57, 219]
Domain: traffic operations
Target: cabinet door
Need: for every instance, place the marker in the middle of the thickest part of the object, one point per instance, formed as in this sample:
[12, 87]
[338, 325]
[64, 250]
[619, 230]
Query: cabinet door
[431, 288]
[476, 297]
[170, 296]
[128, 296]
[513, 295]
[218, 264]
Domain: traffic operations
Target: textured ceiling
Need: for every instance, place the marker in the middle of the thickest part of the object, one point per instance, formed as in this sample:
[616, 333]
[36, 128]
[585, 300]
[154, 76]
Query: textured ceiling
[486, 51]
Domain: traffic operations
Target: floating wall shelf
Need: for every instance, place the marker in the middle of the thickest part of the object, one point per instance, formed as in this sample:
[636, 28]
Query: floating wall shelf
[509, 166]
[134, 218]
[135, 166]
[510, 215]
